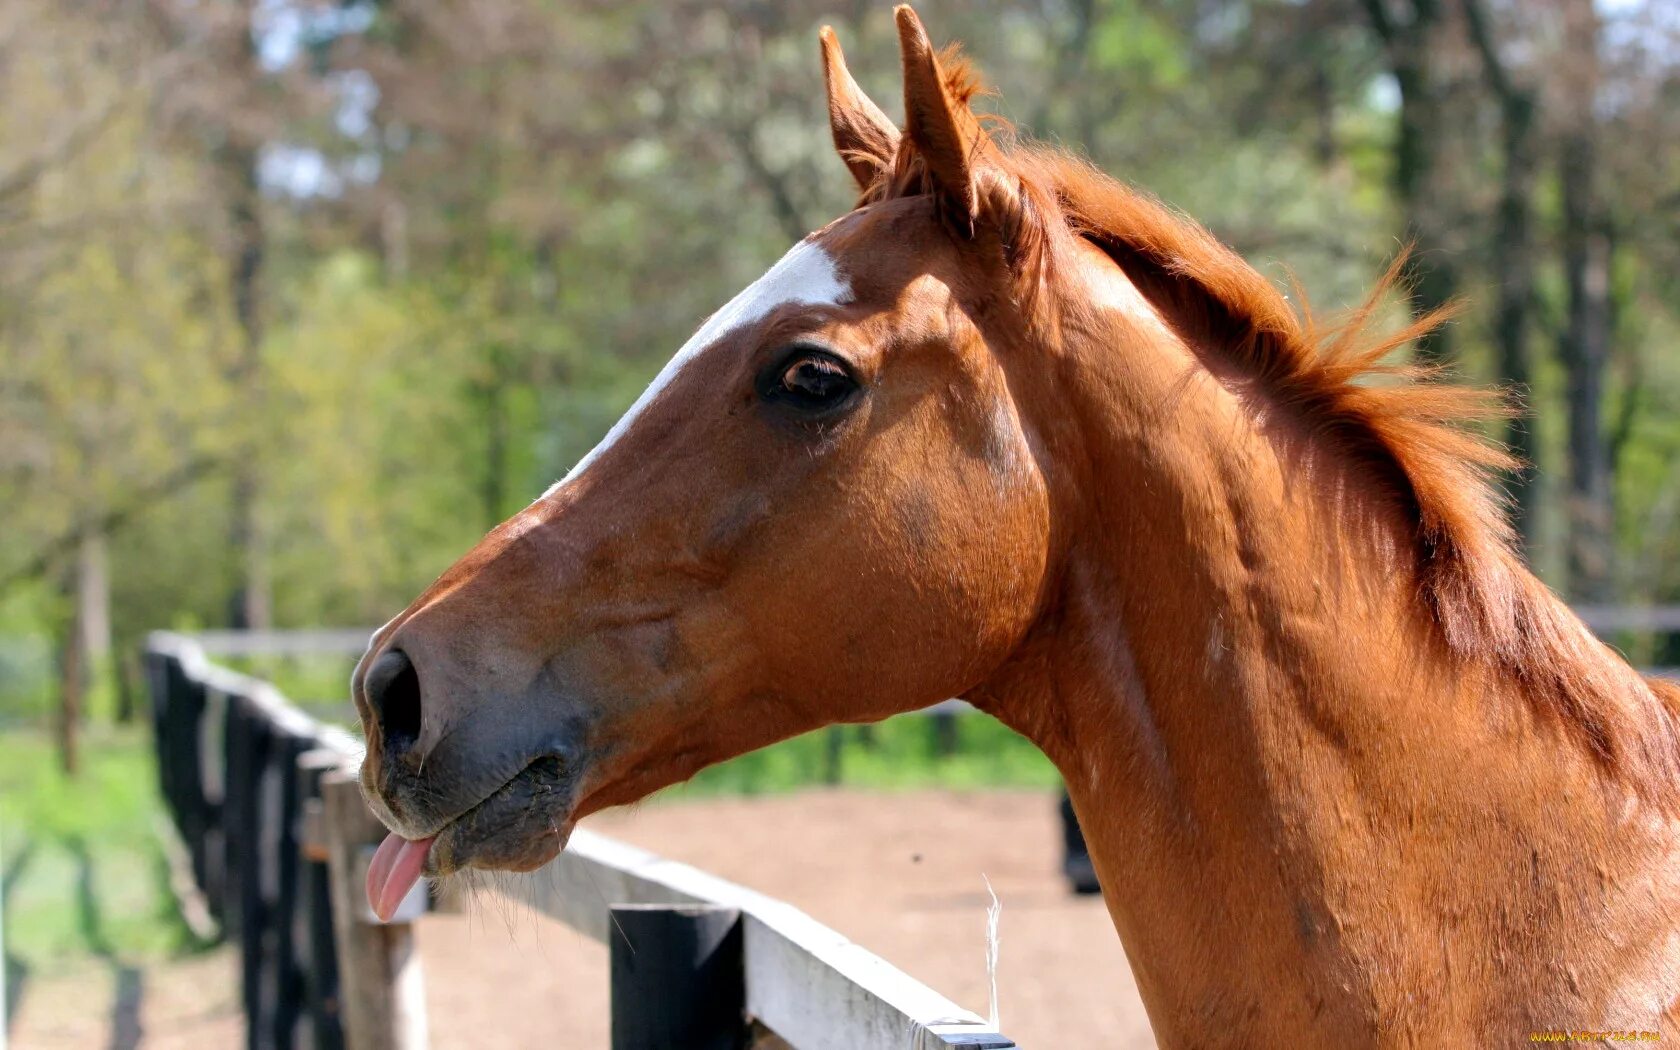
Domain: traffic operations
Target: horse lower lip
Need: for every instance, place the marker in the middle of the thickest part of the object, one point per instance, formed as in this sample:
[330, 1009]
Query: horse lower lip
[509, 826]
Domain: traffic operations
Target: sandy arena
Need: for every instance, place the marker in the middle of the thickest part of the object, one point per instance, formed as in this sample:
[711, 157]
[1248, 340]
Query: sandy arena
[898, 873]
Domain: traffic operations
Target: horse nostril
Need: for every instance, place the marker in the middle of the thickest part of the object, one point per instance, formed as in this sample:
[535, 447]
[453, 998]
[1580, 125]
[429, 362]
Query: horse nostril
[393, 692]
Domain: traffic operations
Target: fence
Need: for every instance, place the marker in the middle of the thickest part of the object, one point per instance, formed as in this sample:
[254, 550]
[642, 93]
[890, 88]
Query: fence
[273, 843]
[240, 771]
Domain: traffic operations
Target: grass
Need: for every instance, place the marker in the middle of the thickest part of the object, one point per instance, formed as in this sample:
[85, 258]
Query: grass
[84, 874]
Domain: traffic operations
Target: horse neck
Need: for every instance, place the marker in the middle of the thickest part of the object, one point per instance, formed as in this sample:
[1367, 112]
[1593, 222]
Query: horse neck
[1218, 577]
[1241, 686]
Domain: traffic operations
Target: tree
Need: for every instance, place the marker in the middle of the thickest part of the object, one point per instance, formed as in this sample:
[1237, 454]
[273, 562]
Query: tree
[107, 315]
[1412, 36]
[1513, 249]
[1585, 344]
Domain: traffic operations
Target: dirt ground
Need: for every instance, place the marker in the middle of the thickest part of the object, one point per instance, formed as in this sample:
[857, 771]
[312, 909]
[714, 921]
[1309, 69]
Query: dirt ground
[898, 873]
[186, 1005]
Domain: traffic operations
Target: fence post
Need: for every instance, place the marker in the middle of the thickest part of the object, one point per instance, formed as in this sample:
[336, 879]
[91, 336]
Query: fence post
[381, 989]
[254, 815]
[285, 920]
[834, 742]
[944, 733]
[314, 932]
[677, 977]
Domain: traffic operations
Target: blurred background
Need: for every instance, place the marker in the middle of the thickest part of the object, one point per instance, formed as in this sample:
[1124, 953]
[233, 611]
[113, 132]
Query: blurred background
[297, 299]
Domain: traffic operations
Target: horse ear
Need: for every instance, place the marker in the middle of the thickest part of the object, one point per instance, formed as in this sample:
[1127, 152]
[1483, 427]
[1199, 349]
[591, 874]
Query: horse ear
[939, 124]
[865, 139]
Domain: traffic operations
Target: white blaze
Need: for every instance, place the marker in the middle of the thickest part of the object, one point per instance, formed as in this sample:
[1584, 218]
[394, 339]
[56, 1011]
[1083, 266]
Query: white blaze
[806, 274]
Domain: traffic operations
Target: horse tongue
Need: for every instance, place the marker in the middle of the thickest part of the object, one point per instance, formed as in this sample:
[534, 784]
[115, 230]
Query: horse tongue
[395, 868]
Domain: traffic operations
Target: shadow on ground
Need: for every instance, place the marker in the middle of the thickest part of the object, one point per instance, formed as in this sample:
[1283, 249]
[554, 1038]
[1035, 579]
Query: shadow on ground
[126, 1030]
[17, 973]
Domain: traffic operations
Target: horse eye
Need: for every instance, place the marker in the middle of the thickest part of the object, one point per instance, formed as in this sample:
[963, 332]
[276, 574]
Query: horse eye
[814, 382]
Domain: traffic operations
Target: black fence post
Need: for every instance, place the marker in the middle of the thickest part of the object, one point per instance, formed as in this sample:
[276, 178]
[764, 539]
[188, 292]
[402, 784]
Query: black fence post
[236, 827]
[312, 929]
[160, 675]
[255, 872]
[945, 732]
[834, 743]
[677, 978]
[1076, 856]
[286, 974]
[205, 769]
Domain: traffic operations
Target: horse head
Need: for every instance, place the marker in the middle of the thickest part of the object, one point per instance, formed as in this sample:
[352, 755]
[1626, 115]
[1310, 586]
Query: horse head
[826, 508]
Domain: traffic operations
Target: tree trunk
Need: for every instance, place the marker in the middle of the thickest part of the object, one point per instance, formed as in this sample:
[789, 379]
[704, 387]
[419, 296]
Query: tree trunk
[1430, 273]
[1585, 349]
[1513, 259]
[1585, 342]
[93, 598]
[236, 159]
[1514, 270]
[70, 683]
[92, 614]
[252, 604]
[1325, 151]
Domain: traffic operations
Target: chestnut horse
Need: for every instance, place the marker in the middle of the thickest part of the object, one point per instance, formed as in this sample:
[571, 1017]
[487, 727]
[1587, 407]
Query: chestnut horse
[1008, 430]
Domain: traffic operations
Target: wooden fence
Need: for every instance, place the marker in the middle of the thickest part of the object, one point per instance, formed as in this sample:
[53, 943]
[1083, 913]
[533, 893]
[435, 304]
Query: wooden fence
[240, 771]
[273, 840]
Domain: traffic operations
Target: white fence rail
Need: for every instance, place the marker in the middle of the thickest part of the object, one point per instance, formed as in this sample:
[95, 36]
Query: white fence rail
[803, 981]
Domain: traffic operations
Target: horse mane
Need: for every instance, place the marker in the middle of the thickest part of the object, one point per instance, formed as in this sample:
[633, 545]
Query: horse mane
[1417, 434]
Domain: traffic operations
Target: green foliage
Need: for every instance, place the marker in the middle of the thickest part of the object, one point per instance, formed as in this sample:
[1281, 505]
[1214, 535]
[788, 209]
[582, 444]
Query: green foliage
[26, 665]
[320, 684]
[1143, 45]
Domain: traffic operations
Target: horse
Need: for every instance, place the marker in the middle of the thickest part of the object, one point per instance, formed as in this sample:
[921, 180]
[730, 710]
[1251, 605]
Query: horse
[1012, 431]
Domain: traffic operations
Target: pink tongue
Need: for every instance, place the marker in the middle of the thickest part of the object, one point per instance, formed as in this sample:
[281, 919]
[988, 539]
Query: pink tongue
[395, 868]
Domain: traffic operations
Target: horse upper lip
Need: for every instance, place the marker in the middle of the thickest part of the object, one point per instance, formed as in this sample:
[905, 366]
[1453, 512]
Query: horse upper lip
[484, 800]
